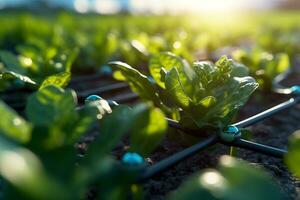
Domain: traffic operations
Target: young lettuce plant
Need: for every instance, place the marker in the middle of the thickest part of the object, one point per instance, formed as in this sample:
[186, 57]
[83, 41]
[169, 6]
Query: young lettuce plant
[38, 159]
[263, 66]
[23, 81]
[202, 95]
[22, 72]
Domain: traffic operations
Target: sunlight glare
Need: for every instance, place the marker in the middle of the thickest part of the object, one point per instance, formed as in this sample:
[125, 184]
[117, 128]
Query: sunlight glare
[13, 165]
[211, 178]
[199, 6]
[215, 182]
[81, 6]
[107, 6]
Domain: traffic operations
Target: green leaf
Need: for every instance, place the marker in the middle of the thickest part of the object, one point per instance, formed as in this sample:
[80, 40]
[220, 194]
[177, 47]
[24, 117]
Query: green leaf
[292, 158]
[25, 174]
[234, 180]
[263, 65]
[205, 95]
[117, 179]
[246, 179]
[139, 83]
[60, 80]
[164, 60]
[145, 124]
[85, 118]
[208, 101]
[242, 87]
[13, 126]
[71, 58]
[175, 88]
[50, 106]
[110, 134]
[218, 96]
[224, 64]
[119, 76]
[11, 62]
[8, 75]
[148, 128]
[239, 70]
[283, 63]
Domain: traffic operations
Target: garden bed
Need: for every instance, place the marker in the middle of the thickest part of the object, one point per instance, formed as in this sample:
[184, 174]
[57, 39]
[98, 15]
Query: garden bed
[273, 131]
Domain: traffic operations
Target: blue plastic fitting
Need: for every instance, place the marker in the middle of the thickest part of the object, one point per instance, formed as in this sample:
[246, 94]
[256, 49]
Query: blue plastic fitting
[295, 89]
[106, 70]
[132, 159]
[230, 133]
[92, 98]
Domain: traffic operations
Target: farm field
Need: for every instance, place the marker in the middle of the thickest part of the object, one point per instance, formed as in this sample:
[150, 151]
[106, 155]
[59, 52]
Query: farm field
[147, 106]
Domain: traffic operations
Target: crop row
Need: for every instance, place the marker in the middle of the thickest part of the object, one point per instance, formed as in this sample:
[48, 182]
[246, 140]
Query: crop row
[37, 155]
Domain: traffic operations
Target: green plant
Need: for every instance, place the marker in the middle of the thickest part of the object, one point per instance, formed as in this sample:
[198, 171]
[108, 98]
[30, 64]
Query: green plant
[38, 159]
[23, 72]
[263, 66]
[202, 95]
[292, 158]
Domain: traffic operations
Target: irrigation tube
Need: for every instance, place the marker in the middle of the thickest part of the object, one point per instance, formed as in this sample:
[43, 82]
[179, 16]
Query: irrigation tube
[167, 163]
[106, 88]
[242, 124]
[245, 144]
[249, 121]
[214, 139]
[267, 113]
[94, 77]
[260, 148]
[176, 158]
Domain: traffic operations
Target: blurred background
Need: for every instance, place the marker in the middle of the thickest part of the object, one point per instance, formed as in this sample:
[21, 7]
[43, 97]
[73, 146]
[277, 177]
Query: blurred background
[146, 6]
[42, 34]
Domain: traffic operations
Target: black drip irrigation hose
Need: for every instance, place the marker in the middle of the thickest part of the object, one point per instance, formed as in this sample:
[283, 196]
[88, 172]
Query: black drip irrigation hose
[267, 113]
[242, 124]
[264, 149]
[107, 88]
[169, 162]
[176, 158]
[276, 83]
[89, 78]
[278, 88]
[253, 146]
[211, 140]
